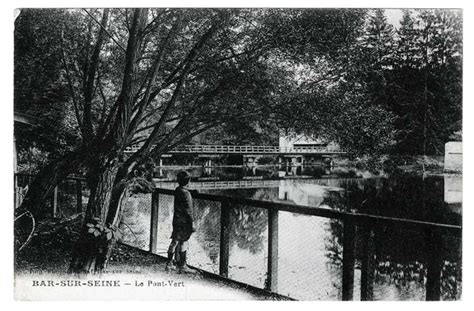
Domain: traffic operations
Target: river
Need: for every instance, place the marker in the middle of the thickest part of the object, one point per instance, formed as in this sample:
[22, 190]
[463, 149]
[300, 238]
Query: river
[310, 248]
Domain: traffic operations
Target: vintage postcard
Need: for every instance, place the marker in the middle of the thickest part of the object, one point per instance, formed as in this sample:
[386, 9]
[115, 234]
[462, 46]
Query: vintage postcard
[238, 154]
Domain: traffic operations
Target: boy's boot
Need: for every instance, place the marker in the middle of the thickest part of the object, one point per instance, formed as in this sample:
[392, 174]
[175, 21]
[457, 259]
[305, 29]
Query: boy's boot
[182, 266]
[169, 262]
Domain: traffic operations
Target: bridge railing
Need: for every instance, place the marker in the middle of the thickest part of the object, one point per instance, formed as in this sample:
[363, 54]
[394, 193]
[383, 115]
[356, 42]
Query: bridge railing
[222, 184]
[356, 226]
[226, 149]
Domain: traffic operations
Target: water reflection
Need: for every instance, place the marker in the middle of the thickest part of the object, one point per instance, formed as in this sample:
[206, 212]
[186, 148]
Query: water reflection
[236, 172]
[310, 248]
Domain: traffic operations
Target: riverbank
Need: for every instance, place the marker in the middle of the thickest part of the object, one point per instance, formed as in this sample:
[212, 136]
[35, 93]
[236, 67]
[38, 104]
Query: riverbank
[47, 258]
[417, 165]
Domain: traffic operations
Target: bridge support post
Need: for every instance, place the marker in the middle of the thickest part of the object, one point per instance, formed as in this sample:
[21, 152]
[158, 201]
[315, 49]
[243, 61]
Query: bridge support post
[272, 265]
[348, 259]
[224, 248]
[368, 264]
[78, 196]
[155, 205]
[434, 264]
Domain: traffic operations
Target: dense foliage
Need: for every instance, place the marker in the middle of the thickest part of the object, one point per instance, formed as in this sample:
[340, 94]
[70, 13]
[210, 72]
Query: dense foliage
[347, 75]
[377, 88]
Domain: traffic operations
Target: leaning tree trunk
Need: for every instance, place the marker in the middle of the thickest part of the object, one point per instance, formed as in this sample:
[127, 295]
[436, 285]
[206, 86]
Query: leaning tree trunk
[100, 229]
[106, 174]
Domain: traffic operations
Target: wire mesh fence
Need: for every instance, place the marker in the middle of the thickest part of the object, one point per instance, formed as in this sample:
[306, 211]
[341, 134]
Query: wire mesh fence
[248, 244]
[204, 243]
[390, 262]
[310, 259]
[135, 223]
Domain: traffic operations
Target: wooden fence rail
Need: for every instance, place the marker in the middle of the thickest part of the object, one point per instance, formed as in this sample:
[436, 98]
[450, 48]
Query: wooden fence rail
[351, 222]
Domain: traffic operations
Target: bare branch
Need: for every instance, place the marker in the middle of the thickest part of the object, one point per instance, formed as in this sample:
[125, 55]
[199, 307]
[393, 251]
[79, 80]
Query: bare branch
[115, 128]
[69, 81]
[90, 77]
[106, 31]
[186, 64]
[192, 134]
[155, 19]
[156, 66]
[138, 140]
[104, 102]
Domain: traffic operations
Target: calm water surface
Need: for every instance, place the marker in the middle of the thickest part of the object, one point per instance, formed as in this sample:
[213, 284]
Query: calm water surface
[310, 248]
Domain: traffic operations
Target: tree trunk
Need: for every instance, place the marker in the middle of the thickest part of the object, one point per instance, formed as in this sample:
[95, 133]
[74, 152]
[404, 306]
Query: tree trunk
[98, 233]
[90, 253]
[106, 175]
[101, 178]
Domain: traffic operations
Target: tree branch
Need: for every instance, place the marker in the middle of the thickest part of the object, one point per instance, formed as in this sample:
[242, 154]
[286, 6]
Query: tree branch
[186, 63]
[71, 87]
[191, 135]
[104, 100]
[156, 66]
[155, 19]
[115, 128]
[90, 77]
[106, 31]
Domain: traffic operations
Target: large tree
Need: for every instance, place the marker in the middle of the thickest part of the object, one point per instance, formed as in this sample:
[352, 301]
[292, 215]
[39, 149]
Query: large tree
[149, 77]
[426, 80]
[153, 78]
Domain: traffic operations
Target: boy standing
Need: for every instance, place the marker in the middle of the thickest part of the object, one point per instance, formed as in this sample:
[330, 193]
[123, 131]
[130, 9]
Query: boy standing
[183, 225]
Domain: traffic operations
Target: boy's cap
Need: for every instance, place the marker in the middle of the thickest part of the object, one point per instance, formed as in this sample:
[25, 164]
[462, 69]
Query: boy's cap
[183, 175]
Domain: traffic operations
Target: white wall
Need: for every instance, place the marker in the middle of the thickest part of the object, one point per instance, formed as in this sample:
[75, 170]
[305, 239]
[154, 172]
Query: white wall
[453, 156]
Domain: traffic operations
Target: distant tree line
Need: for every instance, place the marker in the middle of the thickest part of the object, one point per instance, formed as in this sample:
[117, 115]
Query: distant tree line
[415, 72]
[398, 86]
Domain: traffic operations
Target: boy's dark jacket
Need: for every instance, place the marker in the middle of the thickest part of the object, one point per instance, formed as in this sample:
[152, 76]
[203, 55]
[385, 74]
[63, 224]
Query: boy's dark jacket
[183, 214]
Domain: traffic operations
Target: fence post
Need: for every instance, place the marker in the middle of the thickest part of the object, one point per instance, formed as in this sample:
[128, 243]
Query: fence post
[433, 260]
[55, 202]
[16, 193]
[224, 247]
[78, 196]
[272, 273]
[348, 259]
[155, 204]
[368, 264]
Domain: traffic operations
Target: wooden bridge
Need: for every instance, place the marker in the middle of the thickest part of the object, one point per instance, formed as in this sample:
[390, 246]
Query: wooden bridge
[253, 150]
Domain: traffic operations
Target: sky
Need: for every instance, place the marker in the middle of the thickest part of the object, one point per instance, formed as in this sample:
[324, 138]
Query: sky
[394, 16]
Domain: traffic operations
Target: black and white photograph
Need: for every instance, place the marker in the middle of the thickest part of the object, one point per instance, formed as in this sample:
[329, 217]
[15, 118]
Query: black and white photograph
[237, 153]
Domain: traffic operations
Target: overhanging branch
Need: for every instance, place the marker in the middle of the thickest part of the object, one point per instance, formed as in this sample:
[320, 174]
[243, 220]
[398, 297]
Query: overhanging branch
[106, 31]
